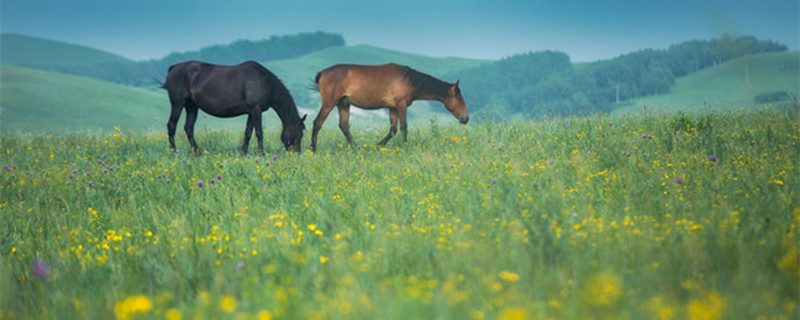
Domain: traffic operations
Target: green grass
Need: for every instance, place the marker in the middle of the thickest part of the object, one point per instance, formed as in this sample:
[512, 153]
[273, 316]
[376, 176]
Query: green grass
[733, 84]
[19, 49]
[575, 218]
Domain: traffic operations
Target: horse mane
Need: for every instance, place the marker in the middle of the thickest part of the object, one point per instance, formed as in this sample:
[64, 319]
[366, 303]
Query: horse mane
[281, 96]
[427, 84]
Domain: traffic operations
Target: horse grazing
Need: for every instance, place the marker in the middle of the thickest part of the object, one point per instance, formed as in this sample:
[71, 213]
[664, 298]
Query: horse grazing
[389, 86]
[229, 91]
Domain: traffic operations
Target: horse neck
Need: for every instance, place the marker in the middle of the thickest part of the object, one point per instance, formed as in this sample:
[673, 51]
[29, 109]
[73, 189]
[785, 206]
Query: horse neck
[286, 109]
[427, 95]
[427, 87]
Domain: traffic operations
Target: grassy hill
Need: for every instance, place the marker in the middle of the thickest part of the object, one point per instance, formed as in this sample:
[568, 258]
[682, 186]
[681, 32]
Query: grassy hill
[30, 51]
[36, 100]
[729, 85]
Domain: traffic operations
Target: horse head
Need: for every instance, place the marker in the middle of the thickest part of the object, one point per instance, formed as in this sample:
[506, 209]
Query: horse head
[455, 103]
[292, 135]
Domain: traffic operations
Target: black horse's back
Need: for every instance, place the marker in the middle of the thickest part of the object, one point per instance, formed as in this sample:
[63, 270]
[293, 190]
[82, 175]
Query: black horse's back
[227, 91]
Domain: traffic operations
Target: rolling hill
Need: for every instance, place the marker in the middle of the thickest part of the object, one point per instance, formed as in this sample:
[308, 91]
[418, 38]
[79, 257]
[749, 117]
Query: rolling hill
[22, 50]
[36, 100]
[733, 84]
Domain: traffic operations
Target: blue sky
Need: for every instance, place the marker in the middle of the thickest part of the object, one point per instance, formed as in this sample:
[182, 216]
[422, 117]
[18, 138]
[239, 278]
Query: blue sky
[586, 30]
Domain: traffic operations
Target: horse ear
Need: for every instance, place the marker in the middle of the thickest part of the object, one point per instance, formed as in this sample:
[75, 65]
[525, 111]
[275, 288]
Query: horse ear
[304, 117]
[457, 81]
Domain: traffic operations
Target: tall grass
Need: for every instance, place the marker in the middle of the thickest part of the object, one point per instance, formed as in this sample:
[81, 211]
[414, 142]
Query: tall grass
[659, 216]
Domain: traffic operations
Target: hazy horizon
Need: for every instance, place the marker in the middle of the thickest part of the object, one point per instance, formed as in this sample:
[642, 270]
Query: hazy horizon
[585, 30]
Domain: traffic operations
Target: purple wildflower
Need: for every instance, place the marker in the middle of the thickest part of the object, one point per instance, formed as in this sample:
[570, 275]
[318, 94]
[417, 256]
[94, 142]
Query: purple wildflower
[240, 265]
[211, 181]
[87, 173]
[256, 160]
[679, 180]
[494, 180]
[267, 163]
[74, 170]
[275, 157]
[200, 183]
[90, 183]
[40, 268]
[712, 158]
[168, 180]
[219, 177]
[71, 176]
[551, 161]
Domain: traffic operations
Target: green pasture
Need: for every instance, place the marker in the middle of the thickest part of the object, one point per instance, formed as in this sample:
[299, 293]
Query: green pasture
[643, 216]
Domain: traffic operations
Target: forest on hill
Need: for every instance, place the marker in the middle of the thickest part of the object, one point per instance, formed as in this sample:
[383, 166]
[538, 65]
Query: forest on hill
[536, 83]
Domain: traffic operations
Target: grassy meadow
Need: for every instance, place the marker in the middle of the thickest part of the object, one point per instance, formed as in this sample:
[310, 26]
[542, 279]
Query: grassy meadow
[644, 216]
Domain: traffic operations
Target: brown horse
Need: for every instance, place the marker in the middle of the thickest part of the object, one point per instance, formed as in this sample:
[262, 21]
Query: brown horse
[389, 86]
[229, 91]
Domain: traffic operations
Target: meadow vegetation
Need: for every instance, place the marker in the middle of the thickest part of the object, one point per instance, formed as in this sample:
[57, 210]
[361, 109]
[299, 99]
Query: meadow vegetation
[646, 216]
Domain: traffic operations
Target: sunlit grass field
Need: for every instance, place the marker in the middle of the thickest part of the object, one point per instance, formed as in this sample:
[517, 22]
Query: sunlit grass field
[648, 216]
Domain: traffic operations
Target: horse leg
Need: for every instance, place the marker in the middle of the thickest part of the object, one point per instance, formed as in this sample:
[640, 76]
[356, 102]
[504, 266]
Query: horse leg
[392, 127]
[401, 112]
[172, 124]
[191, 117]
[344, 120]
[323, 113]
[248, 132]
[259, 133]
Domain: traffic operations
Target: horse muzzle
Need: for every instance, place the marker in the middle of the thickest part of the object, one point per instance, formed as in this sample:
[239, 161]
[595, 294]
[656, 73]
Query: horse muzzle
[463, 119]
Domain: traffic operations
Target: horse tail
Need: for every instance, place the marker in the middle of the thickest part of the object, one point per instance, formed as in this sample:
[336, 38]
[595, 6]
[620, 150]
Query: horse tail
[315, 86]
[159, 83]
[162, 84]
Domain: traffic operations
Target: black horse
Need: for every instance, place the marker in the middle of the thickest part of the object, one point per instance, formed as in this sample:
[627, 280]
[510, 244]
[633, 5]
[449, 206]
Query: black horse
[229, 91]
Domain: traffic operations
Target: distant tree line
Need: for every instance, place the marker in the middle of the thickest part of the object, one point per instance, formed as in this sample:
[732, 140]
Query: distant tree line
[532, 84]
[143, 72]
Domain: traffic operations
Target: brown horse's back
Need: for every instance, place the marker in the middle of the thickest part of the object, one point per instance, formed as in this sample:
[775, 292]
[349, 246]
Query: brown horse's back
[368, 87]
